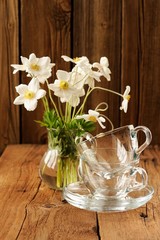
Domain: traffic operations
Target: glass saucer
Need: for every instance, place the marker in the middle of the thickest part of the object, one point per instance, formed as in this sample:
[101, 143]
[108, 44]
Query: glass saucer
[78, 195]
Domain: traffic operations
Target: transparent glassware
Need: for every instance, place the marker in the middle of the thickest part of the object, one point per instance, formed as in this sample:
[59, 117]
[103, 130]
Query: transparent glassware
[110, 179]
[78, 195]
[123, 138]
[56, 169]
[101, 182]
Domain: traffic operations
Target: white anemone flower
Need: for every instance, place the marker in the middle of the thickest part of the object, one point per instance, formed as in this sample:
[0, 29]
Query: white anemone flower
[77, 60]
[29, 94]
[77, 79]
[35, 67]
[84, 68]
[90, 74]
[93, 116]
[126, 98]
[63, 88]
[103, 67]
[74, 100]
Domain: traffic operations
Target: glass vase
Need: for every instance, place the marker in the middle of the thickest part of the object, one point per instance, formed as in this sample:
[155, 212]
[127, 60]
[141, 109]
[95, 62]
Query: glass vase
[59, 164]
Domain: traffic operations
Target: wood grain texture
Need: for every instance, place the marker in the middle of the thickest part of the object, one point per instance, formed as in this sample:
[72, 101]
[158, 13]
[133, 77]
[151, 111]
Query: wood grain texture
[57, 220]
[9, 115]
[149, 107]
[45, 31]
[140, 55]
[131, 57]
[97, 33]
[18, 183]
[29, 209]
[142, 223]
[125, 31]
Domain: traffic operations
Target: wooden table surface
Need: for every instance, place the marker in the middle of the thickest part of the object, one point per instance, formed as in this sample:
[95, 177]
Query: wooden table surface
[30, 210]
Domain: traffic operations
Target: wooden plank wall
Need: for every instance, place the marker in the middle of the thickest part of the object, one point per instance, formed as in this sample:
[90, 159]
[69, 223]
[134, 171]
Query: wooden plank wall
[126, 31]
[9, 52]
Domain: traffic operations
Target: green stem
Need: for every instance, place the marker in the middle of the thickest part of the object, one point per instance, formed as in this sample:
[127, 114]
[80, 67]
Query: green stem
[59, 173]
[45, 103]
[60, 109]
[74, 112]
[66, 171]
[84, 101]
[43, 169]
[52, 101]
[68, 112]
[89, 92]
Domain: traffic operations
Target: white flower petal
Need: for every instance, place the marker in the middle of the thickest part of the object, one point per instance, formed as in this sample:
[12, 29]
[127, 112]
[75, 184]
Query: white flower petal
[44, 61]
[43, 76]
[21, 89]
[127, 91]
[93, 113]
[84, 116]
[126, 97]
[100, 123]
[52, 86]
[32, 57]
[74, 101]
[103, 67]
[63, 75]
[90, 81]
[124, 105]
[37, 67]
[24, 60]
[40, 93]
[17, 68]
[79, 117]
[33, 85]
[97, 65]
[51, 65]
[30, 105]
[67, 59]
[19, 100]
[63, 99]
[104, 61]
[102, 119]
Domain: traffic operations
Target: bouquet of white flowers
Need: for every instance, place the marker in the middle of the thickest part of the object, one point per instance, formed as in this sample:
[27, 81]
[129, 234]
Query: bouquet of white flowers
[65, 118]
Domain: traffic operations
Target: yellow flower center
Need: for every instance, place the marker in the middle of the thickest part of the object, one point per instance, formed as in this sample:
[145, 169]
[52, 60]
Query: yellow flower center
[29, 94]
[76, 59]
[92, 119]
[64, 85]
[127, 97]
[35, 67]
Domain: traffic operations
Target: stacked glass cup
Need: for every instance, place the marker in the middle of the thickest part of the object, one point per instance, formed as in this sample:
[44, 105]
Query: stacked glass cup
[110, 176]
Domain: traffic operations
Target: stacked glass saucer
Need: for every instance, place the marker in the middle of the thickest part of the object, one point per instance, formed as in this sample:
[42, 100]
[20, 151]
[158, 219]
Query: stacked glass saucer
[110, 176]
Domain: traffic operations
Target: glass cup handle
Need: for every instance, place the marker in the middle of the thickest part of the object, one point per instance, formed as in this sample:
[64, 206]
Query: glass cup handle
[87, 141]
[138, 185]
[148, 135]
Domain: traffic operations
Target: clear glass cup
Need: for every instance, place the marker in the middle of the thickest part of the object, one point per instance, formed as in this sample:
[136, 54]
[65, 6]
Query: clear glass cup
[123, 141]
[110, 179]
[101, 185]
[107, 162]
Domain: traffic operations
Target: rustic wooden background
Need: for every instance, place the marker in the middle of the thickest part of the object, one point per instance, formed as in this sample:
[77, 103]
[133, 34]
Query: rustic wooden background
[126, 31]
